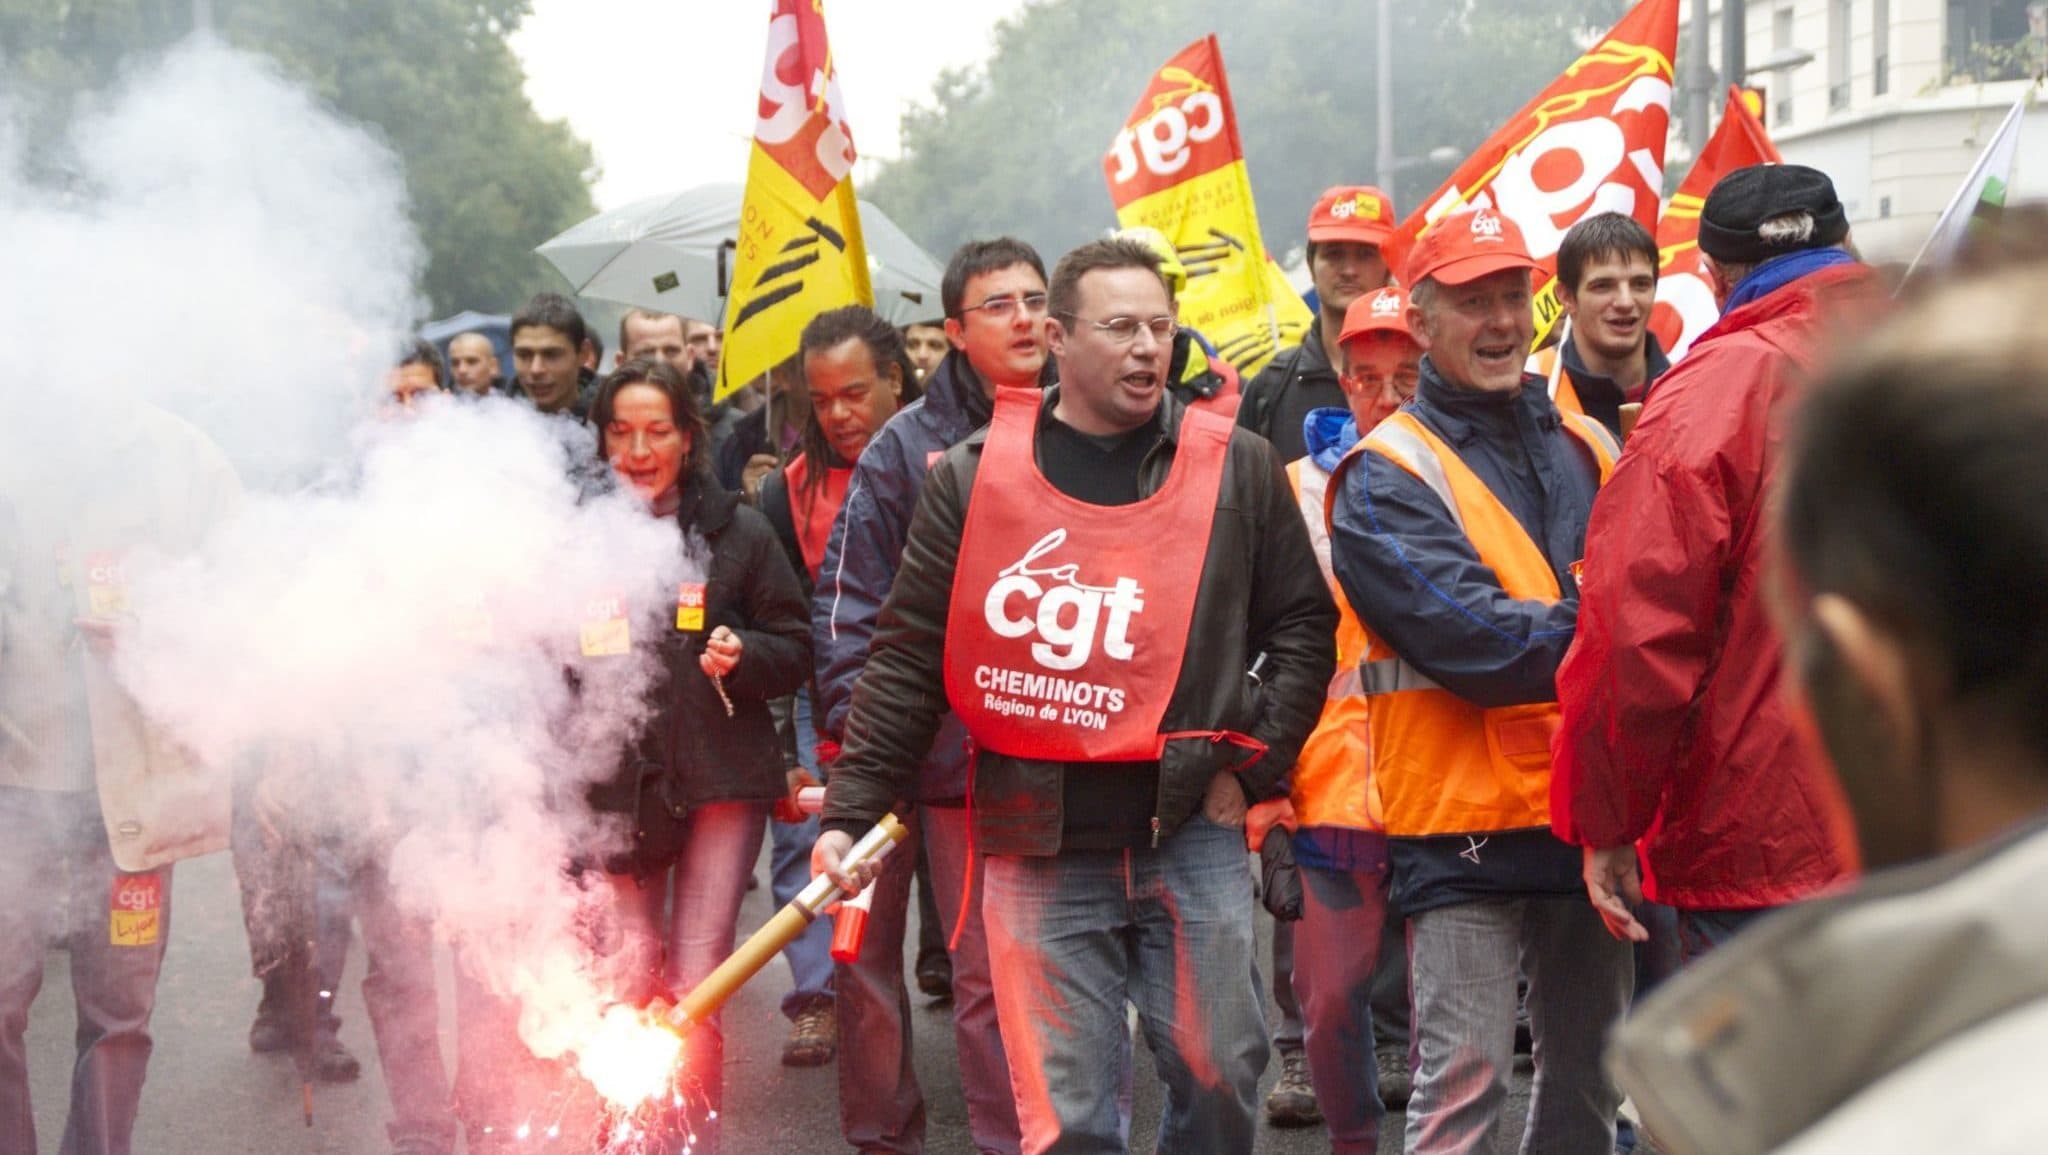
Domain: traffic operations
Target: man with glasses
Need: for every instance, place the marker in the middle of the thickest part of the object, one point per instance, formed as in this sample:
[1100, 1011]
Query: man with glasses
[1347, 963]
[995, 300]
[1090, 619]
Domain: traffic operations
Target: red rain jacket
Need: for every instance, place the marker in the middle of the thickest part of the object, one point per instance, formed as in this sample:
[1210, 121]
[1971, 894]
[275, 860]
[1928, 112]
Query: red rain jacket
[1677, 733]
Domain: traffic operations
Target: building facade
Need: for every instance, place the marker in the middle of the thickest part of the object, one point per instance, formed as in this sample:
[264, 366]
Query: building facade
[1897, 100]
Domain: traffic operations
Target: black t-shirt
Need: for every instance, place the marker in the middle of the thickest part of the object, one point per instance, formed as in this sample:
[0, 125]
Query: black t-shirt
[1106, 805]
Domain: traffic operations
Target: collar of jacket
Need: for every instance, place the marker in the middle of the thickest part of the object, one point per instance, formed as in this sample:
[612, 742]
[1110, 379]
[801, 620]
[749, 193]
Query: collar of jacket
[1764, 1037]
[1811, 294]
[955, 392]
[1314, 359]
[1189, 368]
[1462, 416]
[1329, 434]
[706, 505]
[1568, 351]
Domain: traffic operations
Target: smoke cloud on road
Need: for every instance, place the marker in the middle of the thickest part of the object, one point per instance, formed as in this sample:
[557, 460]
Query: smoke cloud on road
[392, 627]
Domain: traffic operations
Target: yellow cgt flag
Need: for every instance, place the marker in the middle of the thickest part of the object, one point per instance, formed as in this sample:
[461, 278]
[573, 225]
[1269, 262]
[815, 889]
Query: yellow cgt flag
[1177, 167]
[799, 248]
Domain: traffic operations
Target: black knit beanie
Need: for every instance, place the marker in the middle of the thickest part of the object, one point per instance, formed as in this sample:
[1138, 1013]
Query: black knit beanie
[1748, 197]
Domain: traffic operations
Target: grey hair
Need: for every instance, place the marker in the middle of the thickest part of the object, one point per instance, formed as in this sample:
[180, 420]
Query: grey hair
[1790, 230]
[1423, 295]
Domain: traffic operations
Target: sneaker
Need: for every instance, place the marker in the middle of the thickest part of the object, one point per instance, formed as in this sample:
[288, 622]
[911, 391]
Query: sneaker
[813, 1037]
[332, 1062]
[1292, 1102]
[935, 975]
[1396, 1085]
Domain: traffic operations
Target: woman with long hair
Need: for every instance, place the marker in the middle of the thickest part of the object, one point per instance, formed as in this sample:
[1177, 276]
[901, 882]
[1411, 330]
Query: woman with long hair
[698, 785]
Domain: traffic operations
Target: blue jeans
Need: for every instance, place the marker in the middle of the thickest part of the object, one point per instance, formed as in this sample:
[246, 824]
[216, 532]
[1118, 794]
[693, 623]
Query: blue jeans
[1336, 951]
[1074, 936]
[721, 840]
[881, 1106]
[56, 882]
[789, 870]
[1463, 961]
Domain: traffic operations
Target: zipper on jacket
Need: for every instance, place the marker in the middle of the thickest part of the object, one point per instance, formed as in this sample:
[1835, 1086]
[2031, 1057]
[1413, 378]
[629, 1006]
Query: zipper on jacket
[1155, 832]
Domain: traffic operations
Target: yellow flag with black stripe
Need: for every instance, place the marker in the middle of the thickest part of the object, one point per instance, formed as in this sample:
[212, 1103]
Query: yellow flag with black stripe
[799, 246]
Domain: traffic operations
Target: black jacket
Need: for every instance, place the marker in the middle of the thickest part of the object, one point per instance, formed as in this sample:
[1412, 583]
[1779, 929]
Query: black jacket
[1260, 592]
[1295, 383]
[690, 753]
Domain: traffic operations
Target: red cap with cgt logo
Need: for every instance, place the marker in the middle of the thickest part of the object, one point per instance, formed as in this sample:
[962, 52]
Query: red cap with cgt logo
[1352, 213]
[1466, 246]
[1382, 310]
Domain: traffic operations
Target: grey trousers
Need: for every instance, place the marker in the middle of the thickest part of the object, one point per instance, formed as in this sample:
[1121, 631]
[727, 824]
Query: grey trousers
[1463, 961]
[57, 888]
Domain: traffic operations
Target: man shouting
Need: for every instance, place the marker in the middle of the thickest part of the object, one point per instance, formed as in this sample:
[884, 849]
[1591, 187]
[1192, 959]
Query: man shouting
[1091, 620]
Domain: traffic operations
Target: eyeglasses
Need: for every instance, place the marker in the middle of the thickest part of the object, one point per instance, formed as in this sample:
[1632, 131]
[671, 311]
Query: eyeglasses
[1403, 382]
[1124, 330]
[1004, 308]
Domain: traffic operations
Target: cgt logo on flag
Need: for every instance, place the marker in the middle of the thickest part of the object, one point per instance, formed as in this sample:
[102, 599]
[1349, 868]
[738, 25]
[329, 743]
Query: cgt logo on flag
[1591, 142]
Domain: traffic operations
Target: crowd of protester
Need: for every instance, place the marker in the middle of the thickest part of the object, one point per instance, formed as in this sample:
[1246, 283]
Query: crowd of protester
[1505, 687]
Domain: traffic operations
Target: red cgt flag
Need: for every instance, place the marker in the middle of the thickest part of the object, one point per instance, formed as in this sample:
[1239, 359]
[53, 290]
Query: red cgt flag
[1685, 294]
[1592, 142]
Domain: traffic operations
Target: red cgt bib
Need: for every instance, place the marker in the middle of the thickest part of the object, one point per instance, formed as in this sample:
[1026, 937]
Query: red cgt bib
[1069, 621]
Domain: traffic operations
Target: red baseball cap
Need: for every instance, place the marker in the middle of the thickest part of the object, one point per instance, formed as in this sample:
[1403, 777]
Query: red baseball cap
[1382, 310]
[1352, 213]
[1466, 246]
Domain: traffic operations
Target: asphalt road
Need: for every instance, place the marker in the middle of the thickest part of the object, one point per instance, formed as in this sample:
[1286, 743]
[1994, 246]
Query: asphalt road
[208, 1095]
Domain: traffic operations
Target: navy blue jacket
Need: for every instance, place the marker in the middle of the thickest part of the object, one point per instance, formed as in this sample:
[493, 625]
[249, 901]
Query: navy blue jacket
[1418, 584]
[866, 547]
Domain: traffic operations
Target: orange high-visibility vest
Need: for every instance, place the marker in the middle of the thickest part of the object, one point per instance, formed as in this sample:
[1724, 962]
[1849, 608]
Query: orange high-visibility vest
[1443, 765]
[1333, 784]
[1563, 393]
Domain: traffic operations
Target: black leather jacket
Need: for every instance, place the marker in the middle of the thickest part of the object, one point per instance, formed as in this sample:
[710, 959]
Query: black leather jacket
[1260, 592]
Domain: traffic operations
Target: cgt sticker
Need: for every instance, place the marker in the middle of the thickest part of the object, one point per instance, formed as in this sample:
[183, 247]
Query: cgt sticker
[106, 588]
[606, 633]
[136, 911]
[690, 607]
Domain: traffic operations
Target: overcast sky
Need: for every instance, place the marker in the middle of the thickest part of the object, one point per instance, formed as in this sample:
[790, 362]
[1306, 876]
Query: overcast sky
[664, 90]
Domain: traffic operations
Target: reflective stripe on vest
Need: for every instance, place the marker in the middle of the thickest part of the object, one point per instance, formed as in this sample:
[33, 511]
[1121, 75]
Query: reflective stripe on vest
[1391, 676]
[1332, 781]
[1441, 764]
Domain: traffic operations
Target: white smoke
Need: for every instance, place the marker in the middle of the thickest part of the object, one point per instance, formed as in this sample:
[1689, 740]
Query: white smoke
[387, 624]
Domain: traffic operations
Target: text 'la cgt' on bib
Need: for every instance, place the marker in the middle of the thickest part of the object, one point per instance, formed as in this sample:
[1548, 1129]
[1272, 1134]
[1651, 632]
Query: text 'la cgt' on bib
[1069, 621]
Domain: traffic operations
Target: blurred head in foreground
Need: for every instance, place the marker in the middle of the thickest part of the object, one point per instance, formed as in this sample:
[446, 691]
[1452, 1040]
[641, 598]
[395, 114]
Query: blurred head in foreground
[1915, 534]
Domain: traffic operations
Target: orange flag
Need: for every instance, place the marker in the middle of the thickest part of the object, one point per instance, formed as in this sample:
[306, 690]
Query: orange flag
[800, 250]
[1592, 142]
[1178, 167]
[1685, 294]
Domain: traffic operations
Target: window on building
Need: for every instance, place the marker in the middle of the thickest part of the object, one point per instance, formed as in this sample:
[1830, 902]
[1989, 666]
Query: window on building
[1880, 47]
[1839, 12]
[1989, 40]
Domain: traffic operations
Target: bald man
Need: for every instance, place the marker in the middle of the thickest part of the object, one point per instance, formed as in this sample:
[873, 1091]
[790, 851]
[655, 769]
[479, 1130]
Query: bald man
[473, 363]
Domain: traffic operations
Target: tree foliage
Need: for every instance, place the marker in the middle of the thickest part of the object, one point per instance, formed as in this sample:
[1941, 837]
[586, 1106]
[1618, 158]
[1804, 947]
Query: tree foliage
[1016, 146]
[488, 178]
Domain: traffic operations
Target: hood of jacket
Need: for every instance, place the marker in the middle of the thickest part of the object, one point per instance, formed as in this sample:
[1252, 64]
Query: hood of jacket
[1762, 1039]
[1330, 433]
